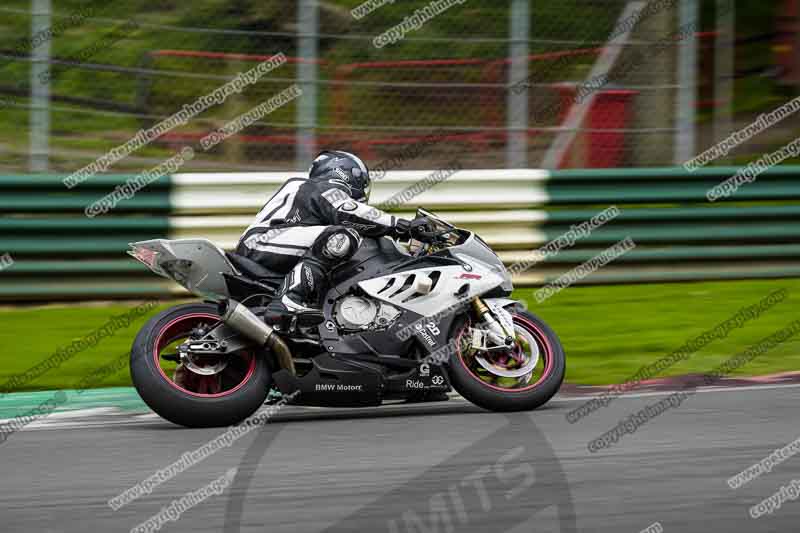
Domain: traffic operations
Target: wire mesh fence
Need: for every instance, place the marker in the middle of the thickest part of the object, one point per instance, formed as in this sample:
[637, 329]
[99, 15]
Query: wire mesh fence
[599, 81]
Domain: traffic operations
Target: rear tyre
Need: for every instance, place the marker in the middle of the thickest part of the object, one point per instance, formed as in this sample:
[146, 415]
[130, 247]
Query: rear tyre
[187, 398]
[504, 394]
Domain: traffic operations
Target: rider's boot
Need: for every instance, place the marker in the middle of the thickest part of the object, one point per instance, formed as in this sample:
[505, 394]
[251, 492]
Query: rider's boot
[300, 293]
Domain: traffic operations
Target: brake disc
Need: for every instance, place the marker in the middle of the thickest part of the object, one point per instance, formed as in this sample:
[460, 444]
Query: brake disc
[203, 370]
[527, 368]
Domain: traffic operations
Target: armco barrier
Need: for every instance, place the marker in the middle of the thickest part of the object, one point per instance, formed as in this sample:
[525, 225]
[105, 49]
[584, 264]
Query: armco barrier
[59, 253]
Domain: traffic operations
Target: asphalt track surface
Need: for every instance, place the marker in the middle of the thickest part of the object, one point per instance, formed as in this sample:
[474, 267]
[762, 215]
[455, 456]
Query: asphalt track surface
[435, 467]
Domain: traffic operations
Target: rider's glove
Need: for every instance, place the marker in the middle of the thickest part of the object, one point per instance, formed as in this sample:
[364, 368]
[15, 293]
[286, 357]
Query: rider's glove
[402, 227]
[412, 228]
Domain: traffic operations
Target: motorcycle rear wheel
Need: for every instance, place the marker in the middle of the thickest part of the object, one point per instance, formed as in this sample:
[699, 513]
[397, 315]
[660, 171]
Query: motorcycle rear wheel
[187, 398]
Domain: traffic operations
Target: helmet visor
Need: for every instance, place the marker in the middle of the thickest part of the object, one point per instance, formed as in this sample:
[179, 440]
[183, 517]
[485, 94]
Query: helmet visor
[366, 193]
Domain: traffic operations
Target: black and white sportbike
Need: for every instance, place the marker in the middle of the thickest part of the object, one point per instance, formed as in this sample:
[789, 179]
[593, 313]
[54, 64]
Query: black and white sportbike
[400, 322]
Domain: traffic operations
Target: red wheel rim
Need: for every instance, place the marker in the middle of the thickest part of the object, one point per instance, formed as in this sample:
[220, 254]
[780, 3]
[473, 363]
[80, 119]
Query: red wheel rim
[181, 327]
[545, 352]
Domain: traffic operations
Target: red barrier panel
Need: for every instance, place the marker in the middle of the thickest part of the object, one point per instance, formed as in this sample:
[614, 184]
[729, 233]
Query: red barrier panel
[611, 110]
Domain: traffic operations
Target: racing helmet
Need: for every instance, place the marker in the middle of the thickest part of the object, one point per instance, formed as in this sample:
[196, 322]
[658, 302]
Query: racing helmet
[345, 169]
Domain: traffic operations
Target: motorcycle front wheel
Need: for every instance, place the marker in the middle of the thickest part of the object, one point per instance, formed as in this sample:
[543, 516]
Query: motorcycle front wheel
[520, 379]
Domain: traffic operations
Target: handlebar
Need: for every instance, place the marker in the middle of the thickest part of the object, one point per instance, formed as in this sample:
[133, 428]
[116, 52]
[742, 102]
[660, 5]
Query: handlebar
[432, 236]
[426, 236]
[429, 229]
[423, 231]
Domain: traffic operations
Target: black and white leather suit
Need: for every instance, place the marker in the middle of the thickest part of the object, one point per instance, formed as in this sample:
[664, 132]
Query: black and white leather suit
[308, 227]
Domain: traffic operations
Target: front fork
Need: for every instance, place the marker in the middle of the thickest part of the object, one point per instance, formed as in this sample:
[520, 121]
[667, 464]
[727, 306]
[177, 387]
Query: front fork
[497, 332]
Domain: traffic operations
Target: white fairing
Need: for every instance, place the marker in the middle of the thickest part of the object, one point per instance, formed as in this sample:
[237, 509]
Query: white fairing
[426, 296]
[197, 264]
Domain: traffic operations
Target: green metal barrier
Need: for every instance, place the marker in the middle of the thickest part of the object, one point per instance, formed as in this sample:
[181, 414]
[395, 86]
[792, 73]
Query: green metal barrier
[679, 234]
[59, 253]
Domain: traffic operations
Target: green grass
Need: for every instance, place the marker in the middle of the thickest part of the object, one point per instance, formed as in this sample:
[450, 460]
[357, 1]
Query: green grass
[31, 335]
[608, 332]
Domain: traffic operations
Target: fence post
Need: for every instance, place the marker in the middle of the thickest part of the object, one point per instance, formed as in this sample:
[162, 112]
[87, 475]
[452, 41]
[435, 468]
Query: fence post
[39, 155]
[724, 47]
[686, 102]
[517, 104]
[308, 47]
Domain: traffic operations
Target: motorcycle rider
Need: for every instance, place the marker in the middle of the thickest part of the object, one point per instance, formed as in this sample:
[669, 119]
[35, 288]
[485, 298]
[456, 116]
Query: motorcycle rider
[313, 224]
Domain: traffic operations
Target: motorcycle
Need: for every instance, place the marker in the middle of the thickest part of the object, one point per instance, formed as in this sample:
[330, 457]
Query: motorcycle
[400, 322]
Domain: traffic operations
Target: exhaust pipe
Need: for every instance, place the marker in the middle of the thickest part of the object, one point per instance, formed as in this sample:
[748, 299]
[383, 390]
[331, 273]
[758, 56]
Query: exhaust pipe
[248, 324]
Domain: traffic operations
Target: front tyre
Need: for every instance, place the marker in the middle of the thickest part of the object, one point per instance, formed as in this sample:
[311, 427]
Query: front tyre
[492, 388]
[220, 398]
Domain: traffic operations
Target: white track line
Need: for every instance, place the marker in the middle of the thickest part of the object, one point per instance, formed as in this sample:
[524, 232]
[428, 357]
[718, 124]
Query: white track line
[111, 416]
[671, 391]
